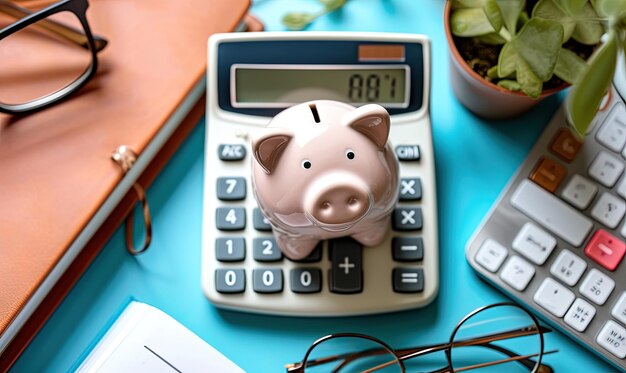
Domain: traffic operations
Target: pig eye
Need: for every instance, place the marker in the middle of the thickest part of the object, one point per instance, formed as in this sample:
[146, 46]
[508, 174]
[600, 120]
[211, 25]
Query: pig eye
[350, 154]
[306, 164]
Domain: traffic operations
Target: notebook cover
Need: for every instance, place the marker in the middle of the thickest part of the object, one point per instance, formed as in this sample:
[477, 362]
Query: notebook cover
[55, 166]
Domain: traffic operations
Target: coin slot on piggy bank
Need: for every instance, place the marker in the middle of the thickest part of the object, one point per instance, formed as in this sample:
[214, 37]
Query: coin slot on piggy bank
[323, 170]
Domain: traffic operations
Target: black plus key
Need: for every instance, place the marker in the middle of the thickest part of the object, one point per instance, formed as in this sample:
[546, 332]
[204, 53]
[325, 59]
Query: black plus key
[346, 274]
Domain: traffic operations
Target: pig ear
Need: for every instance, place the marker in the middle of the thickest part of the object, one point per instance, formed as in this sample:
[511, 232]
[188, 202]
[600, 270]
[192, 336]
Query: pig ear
[269, 145]
[370, 120]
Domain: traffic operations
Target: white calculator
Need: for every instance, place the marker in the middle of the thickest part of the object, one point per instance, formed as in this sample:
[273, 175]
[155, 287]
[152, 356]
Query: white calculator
[251, 78]
[555, 239]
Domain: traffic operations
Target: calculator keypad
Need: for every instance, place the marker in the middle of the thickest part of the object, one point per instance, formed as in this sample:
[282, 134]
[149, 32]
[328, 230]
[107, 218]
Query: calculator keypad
[345, 254]
[555, 240]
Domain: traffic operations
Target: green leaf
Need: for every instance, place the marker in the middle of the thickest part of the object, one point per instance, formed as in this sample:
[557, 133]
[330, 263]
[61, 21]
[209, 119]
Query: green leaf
[510, 10]
[492, 11]
[298, 20]
[549, 9]
[588, 29]
[493, 72]
[529, 82]
[493, 39]
[465, 4]
[507, 61]
[332, 5]
[538, 44]
[470, 22]
[585, 97]
[607, 8]
[511, 85]
[573, 6]
[569, 67]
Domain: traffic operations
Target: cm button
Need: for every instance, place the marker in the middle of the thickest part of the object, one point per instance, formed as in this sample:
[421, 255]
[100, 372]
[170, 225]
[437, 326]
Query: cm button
[408, 152]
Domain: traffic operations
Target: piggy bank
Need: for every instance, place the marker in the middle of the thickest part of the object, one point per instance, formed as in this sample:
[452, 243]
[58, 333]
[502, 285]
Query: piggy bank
[323, 169]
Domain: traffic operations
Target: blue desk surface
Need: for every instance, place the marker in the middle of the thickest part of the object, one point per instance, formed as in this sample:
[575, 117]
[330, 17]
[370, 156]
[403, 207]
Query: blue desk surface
[475, 158]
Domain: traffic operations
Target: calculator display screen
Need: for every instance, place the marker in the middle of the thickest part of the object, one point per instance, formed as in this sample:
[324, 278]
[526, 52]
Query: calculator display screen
[284, 85]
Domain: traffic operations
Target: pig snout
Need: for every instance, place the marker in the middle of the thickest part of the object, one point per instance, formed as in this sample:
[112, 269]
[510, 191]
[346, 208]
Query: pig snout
[338, 200]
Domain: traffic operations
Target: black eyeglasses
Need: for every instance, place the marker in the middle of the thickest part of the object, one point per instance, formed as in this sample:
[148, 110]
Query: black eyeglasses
[46, 55]
[502, 337]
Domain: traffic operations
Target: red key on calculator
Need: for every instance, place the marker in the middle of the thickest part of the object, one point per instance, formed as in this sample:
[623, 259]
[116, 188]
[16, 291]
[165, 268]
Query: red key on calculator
[606, 249]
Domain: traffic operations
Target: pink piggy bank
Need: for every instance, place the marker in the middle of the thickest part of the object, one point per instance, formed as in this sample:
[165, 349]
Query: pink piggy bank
[324, 170]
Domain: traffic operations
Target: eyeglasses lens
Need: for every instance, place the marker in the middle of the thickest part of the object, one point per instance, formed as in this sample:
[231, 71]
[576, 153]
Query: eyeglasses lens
[353, 354]
[38, 60]
[505, 335]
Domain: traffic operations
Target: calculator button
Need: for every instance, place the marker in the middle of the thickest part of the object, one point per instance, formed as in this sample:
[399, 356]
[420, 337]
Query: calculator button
[612, 134]
[534, 243]
[609, 210]
[231, 188]
[551, 212]
[613, 338]
[597, 286]
[407, 219]
[606, 169]
[554, 297]
[580, 315]
[407, 249]
[230, 218]
[548, 174]
[408, 152]
[579, 192]
[266, 250]
[408, 280]
[230, 249]
[346, 274]
[619, 309]
[491, 255]
[306, 280]
[314, 257]
[410, 189]
[259, 222]
[606, 249]
[230, 280]
[231, 152]
[267, 280]
[565, 145]
[517, 273]
[568, 267]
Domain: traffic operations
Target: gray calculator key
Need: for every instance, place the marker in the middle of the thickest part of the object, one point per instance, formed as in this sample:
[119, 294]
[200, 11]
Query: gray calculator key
[346, 274]
[266, 250]
[410, 189]
[230, 280]
[407, 249]
[265, 280]
[231, 152]
[408, 280]
[407, 219]
[230, 249]
[314, 257]
[306, 280]
[408, 152]
[259, 222]
[230, 218]
[231, 188]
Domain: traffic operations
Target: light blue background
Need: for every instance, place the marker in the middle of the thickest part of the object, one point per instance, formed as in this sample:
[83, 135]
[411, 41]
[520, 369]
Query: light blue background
[475, 158]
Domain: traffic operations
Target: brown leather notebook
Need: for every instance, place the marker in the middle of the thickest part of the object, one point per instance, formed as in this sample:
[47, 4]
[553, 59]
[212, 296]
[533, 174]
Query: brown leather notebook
[61, 195]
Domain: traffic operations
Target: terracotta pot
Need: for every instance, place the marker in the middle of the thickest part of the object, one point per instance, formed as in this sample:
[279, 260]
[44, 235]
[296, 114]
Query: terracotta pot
[485, 99]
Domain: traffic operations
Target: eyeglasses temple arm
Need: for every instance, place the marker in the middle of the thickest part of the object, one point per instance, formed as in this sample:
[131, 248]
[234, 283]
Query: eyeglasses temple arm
[64, 31]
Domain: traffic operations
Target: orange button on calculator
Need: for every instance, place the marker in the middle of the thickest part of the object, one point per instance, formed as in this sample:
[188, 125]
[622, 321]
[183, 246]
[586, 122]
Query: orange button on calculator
[548, 174]
[565, 145]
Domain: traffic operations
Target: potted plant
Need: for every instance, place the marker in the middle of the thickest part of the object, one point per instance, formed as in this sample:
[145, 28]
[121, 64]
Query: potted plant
[509, 54]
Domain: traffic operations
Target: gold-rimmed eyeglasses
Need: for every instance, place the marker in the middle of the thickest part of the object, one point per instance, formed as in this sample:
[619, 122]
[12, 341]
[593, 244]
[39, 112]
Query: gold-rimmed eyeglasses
[501, 337]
